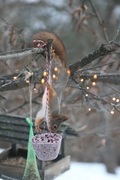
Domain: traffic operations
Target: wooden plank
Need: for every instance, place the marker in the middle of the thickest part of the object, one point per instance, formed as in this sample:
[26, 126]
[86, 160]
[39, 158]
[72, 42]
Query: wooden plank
[49, 173]
[20, 121]
[13, 119]
[57, 168]
[13, 127]
[14, 140]
[12, 171]
[13, 134]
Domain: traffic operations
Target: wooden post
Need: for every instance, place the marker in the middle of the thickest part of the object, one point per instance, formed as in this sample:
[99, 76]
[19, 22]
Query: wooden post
[41, 169]
[13, 151]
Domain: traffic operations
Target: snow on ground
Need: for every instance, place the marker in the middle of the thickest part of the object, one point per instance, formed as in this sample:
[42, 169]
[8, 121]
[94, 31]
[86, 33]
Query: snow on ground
[88, 171]
[1, 150]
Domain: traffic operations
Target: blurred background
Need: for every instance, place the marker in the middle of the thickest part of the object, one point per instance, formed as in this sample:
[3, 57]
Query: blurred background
[82, 25]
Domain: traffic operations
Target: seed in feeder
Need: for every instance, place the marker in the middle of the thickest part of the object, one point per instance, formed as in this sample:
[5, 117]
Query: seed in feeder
[46, 135]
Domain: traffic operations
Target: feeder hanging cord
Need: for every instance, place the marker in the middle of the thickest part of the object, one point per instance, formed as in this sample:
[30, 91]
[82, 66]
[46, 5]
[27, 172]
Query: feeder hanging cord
[31, 170]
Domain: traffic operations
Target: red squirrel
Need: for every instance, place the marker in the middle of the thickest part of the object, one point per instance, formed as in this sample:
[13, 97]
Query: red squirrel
[57, 83]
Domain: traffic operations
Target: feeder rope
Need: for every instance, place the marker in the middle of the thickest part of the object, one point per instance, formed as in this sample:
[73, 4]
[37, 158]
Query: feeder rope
[47, 109]
[30, 99]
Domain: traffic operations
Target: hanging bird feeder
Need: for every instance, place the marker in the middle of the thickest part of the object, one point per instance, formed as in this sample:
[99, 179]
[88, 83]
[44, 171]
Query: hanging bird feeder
[47, 145]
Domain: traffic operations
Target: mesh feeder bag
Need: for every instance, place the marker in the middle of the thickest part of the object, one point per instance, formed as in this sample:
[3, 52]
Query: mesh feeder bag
[47, 145]
[31, 170]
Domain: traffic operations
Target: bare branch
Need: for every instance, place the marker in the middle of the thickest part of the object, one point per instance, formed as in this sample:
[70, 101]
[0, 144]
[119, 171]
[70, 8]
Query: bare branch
[94, 96]
[20, 53]
[105, 49]
[8, 83]
[113, 88]
[117, 33]
[111, 78]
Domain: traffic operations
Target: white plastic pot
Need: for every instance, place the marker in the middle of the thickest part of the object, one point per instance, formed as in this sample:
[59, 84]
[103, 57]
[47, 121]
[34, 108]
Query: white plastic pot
[47, 145]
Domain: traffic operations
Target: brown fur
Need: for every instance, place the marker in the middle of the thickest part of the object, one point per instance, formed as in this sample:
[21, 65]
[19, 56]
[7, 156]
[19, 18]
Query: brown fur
[57, 44]
[56, 86]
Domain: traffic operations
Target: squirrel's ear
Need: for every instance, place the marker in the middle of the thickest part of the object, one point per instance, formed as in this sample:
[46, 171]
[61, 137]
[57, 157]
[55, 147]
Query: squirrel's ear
[63, 118]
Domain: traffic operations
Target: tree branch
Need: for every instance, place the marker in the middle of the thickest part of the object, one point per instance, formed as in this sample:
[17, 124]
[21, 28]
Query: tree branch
[105, 49]
[111, 78]
[8, 83]
[20, 53]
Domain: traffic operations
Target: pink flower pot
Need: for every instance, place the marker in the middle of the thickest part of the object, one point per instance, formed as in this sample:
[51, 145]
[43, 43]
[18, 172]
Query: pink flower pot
[47, 145]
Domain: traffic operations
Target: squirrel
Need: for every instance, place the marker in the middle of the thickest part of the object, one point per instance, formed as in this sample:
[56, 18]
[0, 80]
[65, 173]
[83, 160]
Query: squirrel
[57, 84]
[55, 118]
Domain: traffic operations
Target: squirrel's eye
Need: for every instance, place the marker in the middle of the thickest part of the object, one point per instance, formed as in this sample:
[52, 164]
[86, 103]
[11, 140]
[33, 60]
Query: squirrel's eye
[55, 126]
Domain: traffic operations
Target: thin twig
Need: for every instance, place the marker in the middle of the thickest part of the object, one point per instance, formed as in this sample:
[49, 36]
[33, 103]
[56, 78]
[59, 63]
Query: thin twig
[100, 21]
[113, 88]
[114, 106]
[117, 33]
[95, 67]
[91, 94]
